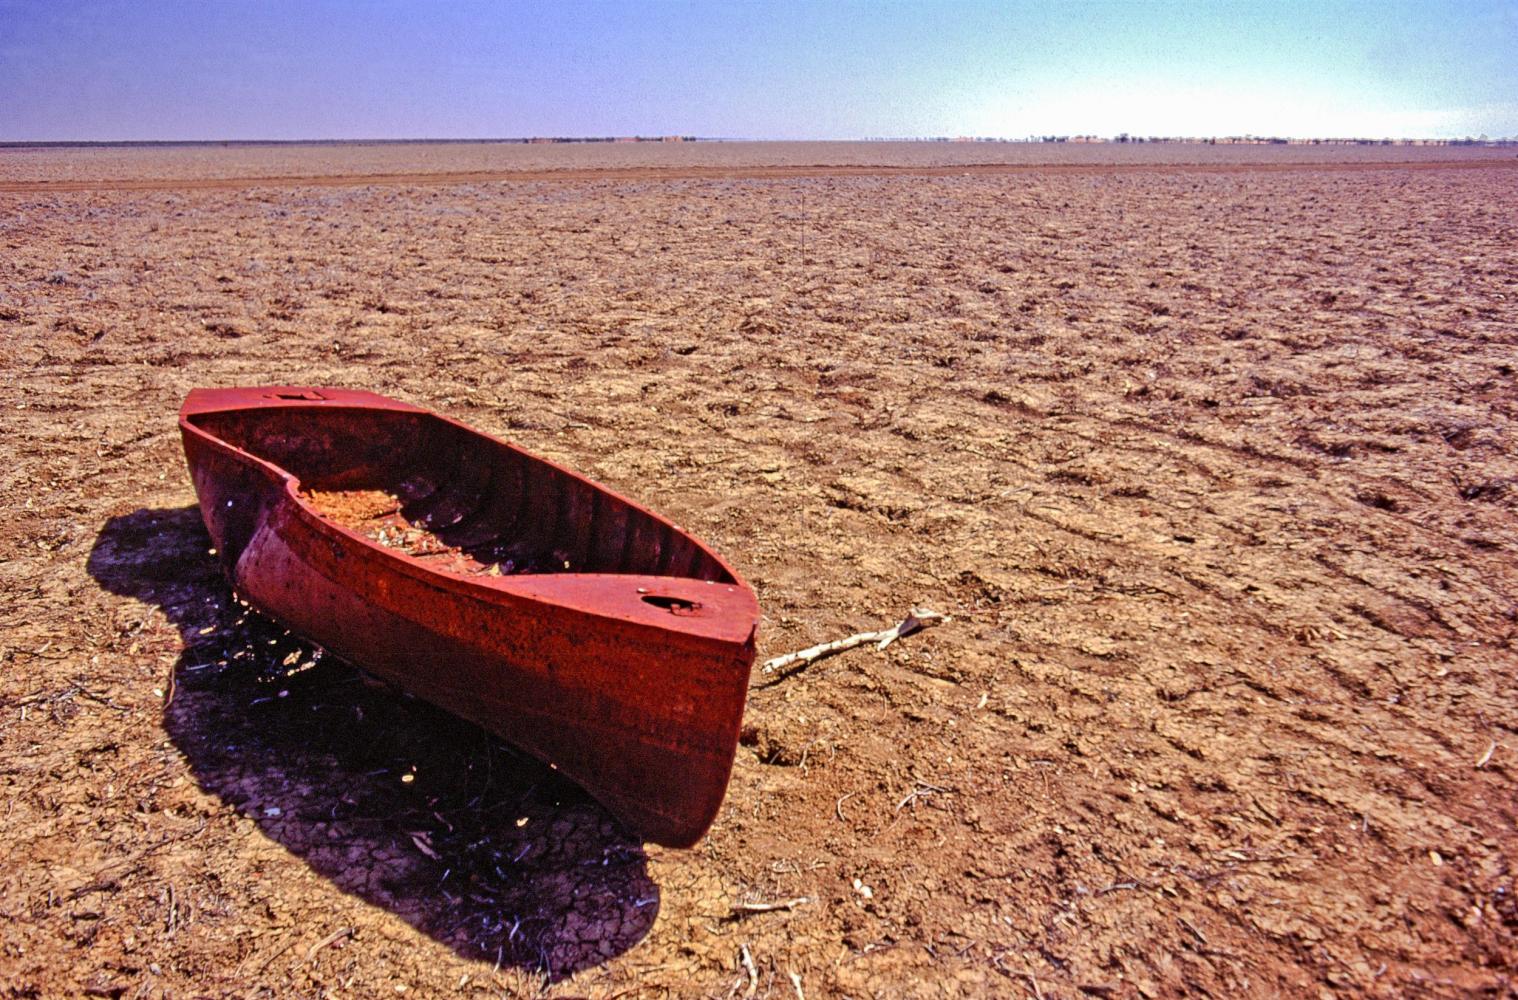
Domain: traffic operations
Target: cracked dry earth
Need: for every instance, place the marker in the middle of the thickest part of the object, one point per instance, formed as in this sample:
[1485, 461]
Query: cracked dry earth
[1214, 470]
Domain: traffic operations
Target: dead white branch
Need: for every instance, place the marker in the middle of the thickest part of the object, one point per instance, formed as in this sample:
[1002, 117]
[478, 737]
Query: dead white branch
[919, 619]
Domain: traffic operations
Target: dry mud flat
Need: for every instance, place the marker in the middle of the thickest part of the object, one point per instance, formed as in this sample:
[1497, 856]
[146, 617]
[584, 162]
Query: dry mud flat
[422, 162]
[1215, 470]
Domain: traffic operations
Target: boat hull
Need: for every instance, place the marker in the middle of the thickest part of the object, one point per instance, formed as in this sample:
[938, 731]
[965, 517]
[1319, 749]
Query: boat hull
[630, 683]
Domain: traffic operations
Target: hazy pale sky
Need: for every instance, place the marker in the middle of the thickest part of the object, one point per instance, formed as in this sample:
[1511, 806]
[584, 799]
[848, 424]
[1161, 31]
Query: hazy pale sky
[302, 69]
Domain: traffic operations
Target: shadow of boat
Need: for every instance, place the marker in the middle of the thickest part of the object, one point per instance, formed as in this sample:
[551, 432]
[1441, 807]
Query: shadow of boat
[392, 800]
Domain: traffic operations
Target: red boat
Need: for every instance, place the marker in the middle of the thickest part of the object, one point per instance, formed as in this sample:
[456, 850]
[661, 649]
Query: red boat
[506, 589]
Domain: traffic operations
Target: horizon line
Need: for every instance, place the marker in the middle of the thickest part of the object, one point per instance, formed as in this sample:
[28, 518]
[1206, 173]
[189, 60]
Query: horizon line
[1122, 138]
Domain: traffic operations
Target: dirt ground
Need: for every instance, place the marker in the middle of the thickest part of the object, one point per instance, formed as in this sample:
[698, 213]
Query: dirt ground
[181, 166]
[1216, 470]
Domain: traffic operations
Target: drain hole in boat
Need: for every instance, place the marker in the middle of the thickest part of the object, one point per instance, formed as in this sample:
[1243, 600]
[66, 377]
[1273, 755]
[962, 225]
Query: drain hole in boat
[674, 605]
[310, 396]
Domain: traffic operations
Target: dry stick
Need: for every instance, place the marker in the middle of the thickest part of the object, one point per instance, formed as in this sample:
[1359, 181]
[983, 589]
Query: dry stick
[920, 618]
[1192, 928]
[332, 938]
[784, 904]
[806, 656]
[753, 973]
[270, 960]
[920, 789]
[172, 923]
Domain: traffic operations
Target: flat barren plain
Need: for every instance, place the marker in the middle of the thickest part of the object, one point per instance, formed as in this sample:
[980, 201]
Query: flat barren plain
[1212, 455]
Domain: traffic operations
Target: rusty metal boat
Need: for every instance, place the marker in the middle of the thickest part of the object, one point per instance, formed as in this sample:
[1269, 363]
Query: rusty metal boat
[575, 624]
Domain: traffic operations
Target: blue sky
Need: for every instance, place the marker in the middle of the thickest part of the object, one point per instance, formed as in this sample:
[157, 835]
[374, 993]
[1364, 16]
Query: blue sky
[278, 69]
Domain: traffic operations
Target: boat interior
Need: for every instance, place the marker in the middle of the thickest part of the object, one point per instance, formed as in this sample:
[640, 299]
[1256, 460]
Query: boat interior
[455, 499]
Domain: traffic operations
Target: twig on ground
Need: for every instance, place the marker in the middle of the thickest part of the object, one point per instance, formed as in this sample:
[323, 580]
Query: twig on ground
[1202, 938]
[796, 985]
[422, 844]
[171, 923]
[270, 960]
[838, 806]
[918, 791]
[808, 750]
[920, 618]
[813, 653]
[333, 938]
[95, 696]
[916, 621]
[741, 909]
[748, 967]
[1488, 755]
